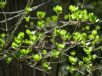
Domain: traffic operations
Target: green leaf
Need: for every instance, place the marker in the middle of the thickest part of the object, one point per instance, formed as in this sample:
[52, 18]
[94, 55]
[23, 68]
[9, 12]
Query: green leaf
[73, 17]
[61, 46]
[73, 53]
[85, 15]
[94, 32]
[92, 18]
[55, 53]
[87, 27]
[40, 24]
[94, 56]
[28, 9]
[54, 18]
[44, 52]
[41, 14]
[24, 51]
[63, 32]
[27, 18]
[97, 38]
[3, 35]
[71, 68]
[46, 66]
[81, 63]
[88, 50]
[33, 38]
[73, 8]
[72, 60]
[87, 59]
[28, 32]
[29, 42]
[97, 27]
[48, 19]
[37, 57]
[58, 9]
[77, 36]
[91, 37]
[8, 59]
[17, 40]
[66, 17]
[15, 45]
[21, 35]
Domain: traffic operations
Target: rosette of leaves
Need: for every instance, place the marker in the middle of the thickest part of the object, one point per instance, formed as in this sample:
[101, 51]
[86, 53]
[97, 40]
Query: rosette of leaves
[32, 37]
[37, 57]
[80, 15]
[60, 46]
[46, 66]
[87, 59]
[18, 40]
[55, 53]
[72, 60]
[27, 19]
[41, 23]
[77, 36]
[63, 34]
[73, 8]
[24, 52]
[41, 14]
[88, 50]
[28, 9]
[93, 18]
[58, 9]
[94, 37]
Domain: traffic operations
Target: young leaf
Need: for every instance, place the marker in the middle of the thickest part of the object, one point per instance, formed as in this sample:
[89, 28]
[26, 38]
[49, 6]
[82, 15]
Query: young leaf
[41, 14]
[55, 53]
[36, 57]
[58, 9]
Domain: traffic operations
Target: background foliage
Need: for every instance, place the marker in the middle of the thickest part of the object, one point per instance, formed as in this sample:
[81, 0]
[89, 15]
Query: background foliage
[57, 37]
